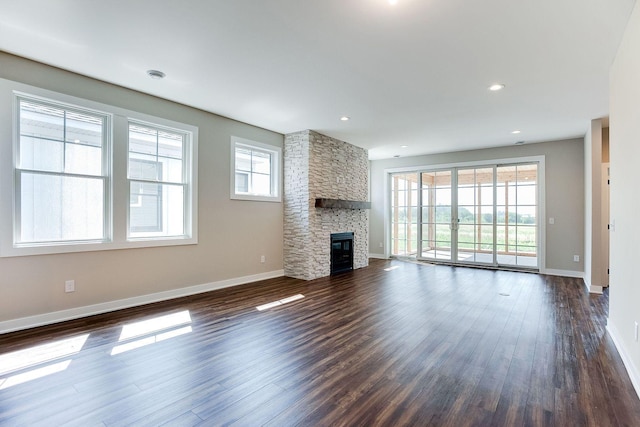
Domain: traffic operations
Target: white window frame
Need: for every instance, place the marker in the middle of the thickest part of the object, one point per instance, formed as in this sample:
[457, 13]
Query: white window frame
[118, 185]
[275, 174]
[186, 180]
[105, 176]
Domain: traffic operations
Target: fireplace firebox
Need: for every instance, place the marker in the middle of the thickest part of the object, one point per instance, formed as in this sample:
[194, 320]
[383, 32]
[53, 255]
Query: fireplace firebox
[341, 252]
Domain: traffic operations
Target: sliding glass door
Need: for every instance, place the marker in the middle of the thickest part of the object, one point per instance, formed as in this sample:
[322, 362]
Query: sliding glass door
[485, 215]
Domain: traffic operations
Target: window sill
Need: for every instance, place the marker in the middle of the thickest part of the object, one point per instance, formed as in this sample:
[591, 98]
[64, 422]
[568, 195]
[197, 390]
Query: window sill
[13, 251]
[254, 198]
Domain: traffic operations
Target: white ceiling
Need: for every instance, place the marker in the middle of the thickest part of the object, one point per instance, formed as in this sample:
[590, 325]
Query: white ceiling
[415, 73]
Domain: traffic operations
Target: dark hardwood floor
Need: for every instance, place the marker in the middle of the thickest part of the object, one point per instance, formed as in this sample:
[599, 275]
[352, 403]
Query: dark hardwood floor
[416, 345]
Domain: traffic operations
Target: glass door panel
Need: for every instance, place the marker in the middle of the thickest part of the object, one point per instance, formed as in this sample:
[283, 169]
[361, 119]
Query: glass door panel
[436, 215]
[517, 222]
[475, 215]
[404, 214]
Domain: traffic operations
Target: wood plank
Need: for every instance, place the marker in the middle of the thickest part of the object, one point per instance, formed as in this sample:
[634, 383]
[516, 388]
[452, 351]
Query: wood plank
[417, 345]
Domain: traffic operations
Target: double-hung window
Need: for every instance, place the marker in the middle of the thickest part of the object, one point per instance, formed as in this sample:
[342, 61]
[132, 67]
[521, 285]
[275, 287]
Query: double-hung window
[77, 175]
[158, 188]
[61, 175]
[255, 170]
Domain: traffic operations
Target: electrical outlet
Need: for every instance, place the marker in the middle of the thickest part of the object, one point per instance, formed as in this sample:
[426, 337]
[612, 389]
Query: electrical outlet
[381, 245]
[576, 258]
[70, 286]
[636, 332]
[262, 259]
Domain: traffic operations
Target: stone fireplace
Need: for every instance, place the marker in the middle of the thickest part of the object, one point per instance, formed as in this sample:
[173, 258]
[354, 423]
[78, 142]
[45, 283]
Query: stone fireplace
[326, 186]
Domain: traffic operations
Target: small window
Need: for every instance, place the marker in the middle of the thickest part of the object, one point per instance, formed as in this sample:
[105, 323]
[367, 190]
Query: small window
[255, 171]
[61, 175]
[158, 187]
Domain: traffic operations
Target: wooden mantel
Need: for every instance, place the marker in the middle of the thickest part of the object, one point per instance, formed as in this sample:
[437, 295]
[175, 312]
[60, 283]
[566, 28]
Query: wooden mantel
[342, 204]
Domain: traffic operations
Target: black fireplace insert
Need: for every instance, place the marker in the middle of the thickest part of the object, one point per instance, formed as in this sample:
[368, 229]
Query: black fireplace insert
[341, 252]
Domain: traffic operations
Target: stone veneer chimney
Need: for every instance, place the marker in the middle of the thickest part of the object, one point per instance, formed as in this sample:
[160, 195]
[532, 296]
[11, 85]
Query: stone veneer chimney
[317, 166]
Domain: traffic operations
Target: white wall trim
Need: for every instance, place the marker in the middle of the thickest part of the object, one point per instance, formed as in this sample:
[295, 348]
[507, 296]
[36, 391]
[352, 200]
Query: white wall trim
[563, 273]
[378, 256]
[577, 274]
[90, 310]
[474, 163]
[593, 289]
[632, 370]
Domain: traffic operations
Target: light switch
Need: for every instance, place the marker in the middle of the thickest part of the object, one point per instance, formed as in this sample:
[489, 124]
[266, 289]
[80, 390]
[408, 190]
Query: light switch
[552, 220]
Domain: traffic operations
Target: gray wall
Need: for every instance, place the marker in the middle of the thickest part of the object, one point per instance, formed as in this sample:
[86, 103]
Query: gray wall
[233, 234]
[564, 176]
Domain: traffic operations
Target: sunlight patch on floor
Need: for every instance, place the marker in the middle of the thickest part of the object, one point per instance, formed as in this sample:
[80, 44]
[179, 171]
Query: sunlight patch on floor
[37, 360]
[279, 302]
[145, 332]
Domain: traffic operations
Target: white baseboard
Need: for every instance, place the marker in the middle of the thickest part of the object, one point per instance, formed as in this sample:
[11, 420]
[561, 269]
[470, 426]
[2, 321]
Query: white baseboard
[378, 256]
[632, 370]
[90, 310]
[593, 289]
[563, 273]
[577, 274]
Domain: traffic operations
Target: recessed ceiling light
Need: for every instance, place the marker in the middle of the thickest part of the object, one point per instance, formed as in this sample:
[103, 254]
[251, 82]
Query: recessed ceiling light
[155, 74]
[392, 2]
[496, 87]
[515, 132]
[404, 146]
[345, 118]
